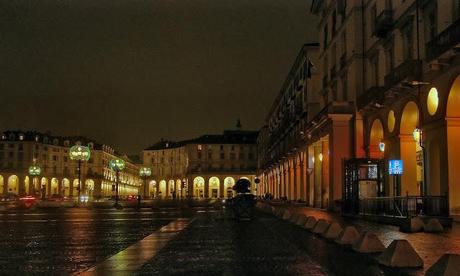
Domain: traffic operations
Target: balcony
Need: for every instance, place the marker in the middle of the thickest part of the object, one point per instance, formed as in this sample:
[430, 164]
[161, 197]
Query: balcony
[410, 70]
[373, 96]
[446, 40]
[383, 23]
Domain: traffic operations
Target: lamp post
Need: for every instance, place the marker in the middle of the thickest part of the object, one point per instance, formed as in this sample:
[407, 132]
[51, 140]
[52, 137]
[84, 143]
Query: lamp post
[145, 172]
[79, 153]
[34, 172]
[117, 165]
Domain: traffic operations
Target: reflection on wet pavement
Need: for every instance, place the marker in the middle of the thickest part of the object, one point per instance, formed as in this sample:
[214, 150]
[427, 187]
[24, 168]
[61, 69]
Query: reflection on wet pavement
[132, 258]
[70, 240]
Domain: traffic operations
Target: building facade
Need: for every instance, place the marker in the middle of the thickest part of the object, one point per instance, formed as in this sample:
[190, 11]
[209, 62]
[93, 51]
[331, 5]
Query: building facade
[205, 167]
[388, 75]
[59, 175]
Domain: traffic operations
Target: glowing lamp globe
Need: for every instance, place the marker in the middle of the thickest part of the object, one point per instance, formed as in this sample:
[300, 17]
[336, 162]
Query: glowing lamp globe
[79, 152]
[35, 170]
[117, 164]
[145, 172]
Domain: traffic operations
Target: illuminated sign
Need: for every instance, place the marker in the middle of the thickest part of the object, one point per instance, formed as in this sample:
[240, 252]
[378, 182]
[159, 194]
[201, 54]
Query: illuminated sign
[395, 167]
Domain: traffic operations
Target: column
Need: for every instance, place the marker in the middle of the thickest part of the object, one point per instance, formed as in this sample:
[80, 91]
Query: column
[409, 158]
[339, 150]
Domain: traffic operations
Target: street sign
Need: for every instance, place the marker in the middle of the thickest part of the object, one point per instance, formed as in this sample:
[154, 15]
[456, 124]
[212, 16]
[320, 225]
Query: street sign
[395, 167]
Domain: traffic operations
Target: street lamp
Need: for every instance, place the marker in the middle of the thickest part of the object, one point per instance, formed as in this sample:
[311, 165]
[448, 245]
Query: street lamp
[117, 165]
[145, 172]
[79, 153]
[34, 172]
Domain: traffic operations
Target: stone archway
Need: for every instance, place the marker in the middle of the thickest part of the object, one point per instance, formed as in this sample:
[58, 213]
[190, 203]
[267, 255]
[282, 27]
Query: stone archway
[65, 187]
[375, 138]
[453, 145]
[13, 185]
[2, 185]
[410, 151]
[162, 189]
[89, 187]
[54, 187]
[228, 187]
[214, 187]
[198, 187]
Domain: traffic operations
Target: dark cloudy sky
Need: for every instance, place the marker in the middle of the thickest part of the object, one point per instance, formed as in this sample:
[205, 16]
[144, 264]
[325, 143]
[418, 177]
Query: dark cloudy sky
[128, 72]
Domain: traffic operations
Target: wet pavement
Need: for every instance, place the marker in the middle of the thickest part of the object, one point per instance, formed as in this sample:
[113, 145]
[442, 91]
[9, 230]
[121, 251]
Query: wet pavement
[211, 242]
[73, 239]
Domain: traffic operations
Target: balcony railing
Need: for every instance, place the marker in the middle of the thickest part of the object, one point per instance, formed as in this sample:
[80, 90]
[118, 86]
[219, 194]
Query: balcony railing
[447, 39]
[409, 70]
[405, 206]
[383, 23]
[373, 95]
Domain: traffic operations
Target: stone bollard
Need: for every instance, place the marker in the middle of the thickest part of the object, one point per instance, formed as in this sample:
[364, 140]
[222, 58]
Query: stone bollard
[412, 225]
[287, 215]
[321, 226]
[400, 253]
[349, 236]
[448, 264]
[433, 226]
[294, 218]
[368, 243]
[301, 220]
[310, 224]
[279, 212]
[333, 231]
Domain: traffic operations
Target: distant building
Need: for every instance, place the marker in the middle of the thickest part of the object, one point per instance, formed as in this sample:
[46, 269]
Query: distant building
[205, 167]
[59, 175]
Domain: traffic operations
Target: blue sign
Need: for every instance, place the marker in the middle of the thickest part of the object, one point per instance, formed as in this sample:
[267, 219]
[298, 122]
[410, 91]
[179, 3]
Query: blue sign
[395, 167]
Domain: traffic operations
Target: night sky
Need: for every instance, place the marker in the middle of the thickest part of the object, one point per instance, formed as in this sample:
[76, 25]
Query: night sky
[129, 72]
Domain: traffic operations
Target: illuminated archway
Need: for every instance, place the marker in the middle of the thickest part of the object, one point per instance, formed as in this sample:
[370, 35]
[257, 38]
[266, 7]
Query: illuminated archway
[75, 188]
[453, 145]
[13, 185]
[27, 185]
[171, 186]
[375, 138]
[89, 187]
[54, 187]
[198, 187]
[178, 187]
[214, 188]
[65, 187]
[163, 189]
[410, 151]
[152, 192]
[2, 185]
[228, 186]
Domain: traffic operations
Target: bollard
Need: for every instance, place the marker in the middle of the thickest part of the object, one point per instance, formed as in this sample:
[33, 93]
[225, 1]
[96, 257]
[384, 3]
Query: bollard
[333, 231]
[400, 253]
[310, 224]
[301, 220]
[433, 226]
[412, 225]
[349, 236]
[287, 215]
[448, 264]
[368, 243]
[321, 226]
